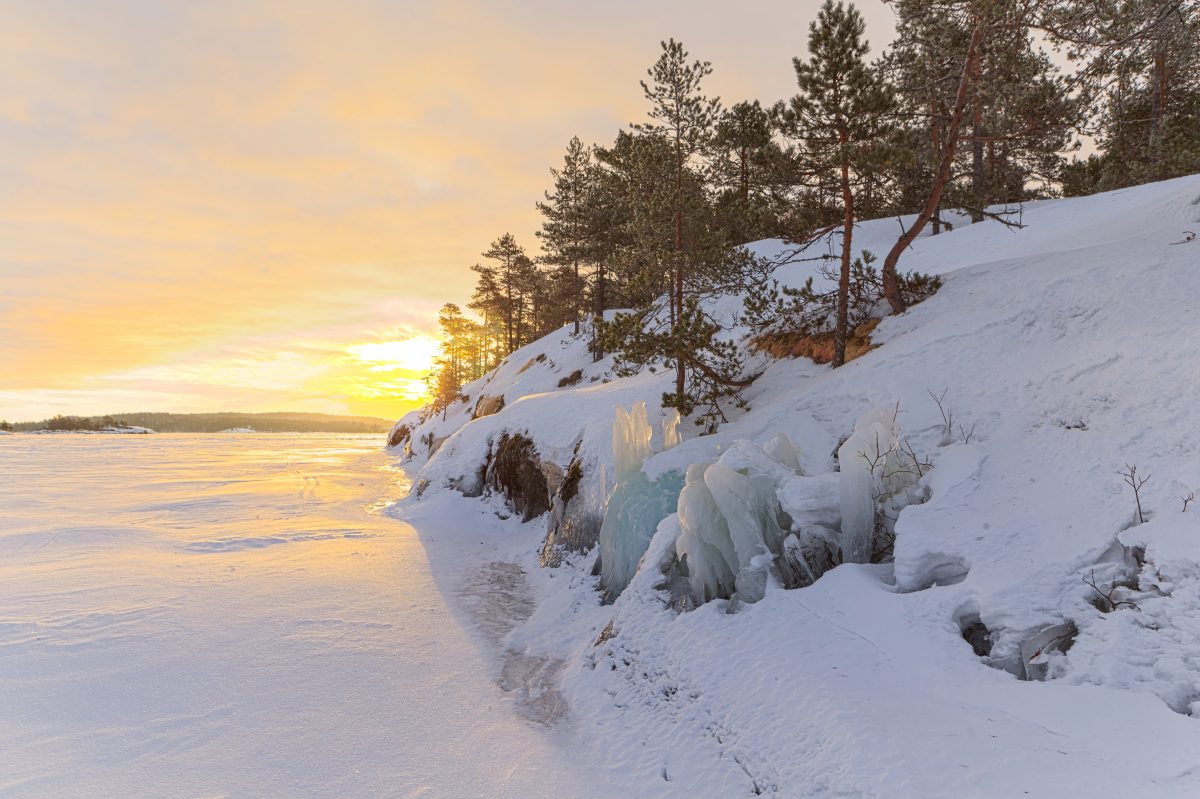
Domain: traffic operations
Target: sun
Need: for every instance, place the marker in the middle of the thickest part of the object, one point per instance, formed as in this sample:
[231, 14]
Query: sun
[415, 355]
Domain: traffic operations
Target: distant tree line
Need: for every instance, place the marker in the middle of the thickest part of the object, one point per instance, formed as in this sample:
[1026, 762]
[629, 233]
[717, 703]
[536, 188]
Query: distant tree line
[283, 422]
[965, 110]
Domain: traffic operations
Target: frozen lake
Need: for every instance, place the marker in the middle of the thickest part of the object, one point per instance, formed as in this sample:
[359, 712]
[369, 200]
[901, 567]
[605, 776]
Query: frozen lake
[232, 615]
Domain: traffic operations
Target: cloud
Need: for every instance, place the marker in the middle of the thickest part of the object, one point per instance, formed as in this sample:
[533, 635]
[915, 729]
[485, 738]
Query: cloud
[179, 181]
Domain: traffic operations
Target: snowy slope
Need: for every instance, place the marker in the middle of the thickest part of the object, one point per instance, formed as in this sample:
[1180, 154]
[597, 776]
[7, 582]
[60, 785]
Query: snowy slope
[1065, 352]
[546, 365]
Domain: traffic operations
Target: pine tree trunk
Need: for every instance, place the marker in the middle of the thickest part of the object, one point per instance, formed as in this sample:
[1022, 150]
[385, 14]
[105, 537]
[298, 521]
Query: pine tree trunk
[978, 184]
[577, 297]
[677, 289]
[1158, 102]
[508, 310]
[597, 345]
[935, 140]
[891, 284]
[745, 184]
[843, 303]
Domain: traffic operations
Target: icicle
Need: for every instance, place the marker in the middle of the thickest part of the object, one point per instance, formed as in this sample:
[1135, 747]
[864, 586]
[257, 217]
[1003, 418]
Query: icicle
[862, 460]
[749, 510]
[631, 440]
[637, 504]
[782, 450]
[603, 485]
[704, 539]
[670, 429]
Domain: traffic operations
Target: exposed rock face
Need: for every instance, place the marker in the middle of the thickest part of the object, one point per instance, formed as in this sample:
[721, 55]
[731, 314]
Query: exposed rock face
[487, 405]
[571, 379]
[572, 525]
[400, 435]
[432, 443]
[516, 470]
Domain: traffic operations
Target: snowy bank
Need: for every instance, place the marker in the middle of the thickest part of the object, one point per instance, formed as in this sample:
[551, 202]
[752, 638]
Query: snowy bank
[1032, 601]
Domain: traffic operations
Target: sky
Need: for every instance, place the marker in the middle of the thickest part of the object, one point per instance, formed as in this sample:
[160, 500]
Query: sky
[260, 206]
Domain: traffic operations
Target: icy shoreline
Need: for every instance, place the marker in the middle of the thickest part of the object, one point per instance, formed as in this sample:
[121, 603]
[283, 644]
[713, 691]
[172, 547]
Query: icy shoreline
[102, 431]
[220, 617]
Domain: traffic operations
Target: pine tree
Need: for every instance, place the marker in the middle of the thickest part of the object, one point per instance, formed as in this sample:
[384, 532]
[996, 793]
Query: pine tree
[840, 115]
[490, 302]
[684, 118]
[749, 170]
[667, 250]
[506, 280]
[1020, 114]
[565, 231]
[1142, 58]
[981, 17]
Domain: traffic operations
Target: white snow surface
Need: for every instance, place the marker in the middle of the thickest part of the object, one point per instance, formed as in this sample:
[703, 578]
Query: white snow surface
[234, 616]
[1065, 352]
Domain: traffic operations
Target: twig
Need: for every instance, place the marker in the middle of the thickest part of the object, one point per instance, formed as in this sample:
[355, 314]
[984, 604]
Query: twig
[1133, 481]
[947, 415]
[1113, 604]
[921, 466]
[1049, 644]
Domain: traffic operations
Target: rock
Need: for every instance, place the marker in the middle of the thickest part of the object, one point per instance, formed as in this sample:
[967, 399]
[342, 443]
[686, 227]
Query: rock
[571, 379]
[432, 443]
[515, 470]
[1037, 649]
[400, 435]
[488, 405]
[573, 526]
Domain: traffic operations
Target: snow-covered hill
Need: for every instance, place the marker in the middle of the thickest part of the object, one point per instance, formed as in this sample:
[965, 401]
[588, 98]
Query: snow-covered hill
[1065, 352]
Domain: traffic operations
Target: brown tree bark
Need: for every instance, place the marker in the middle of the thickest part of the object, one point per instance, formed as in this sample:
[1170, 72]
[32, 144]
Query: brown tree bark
[978, 182]
[578, 297]
[891, 284]
[677, 289]
[843, 303]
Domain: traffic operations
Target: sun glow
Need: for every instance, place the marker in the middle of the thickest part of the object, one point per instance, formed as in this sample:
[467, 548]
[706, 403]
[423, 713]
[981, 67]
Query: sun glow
[415, 354]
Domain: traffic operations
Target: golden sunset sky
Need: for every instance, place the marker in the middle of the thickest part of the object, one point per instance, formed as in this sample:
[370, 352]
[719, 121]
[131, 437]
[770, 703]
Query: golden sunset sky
[261, 206]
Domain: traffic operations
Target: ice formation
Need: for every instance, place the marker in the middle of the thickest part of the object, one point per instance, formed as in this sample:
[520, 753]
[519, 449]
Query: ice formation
[670, 430]
[749, 506]
[781, 449]
[704, 539]
[729, 520]
[631, 440]
[862, 462]
[637, 504]
[813, 501]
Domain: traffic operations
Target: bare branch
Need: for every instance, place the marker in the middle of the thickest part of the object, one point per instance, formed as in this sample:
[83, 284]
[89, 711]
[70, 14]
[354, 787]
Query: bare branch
[1107, 596]
[1135, 482]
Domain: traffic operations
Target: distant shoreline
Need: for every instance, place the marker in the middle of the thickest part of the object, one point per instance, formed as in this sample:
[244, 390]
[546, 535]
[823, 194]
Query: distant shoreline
[117, 432]
[225, 422]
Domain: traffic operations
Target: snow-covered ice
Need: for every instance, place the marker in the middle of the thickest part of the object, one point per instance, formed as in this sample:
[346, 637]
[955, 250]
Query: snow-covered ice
[191, 615]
